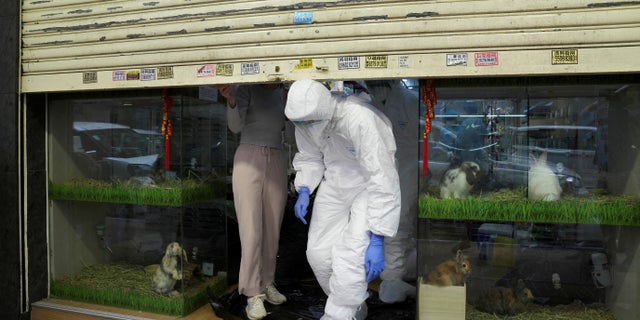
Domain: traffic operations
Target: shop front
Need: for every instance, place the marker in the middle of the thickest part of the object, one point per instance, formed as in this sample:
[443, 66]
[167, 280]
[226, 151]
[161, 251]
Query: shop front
[139, 157]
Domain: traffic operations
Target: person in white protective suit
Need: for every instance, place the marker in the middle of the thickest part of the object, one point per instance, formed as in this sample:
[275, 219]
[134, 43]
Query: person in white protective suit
[345, 151]
[402, 106]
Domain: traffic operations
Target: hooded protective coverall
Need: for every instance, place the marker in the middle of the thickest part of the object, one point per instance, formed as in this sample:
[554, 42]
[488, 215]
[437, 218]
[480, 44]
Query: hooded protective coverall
[345, 150]
[402, 107]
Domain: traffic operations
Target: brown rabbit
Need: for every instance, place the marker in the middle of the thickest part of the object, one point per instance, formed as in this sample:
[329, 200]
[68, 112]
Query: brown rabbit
[452, 272]
[506, 301]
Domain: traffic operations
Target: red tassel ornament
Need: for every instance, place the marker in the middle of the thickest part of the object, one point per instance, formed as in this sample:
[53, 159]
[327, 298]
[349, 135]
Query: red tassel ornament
[428, 95]
[167, 128]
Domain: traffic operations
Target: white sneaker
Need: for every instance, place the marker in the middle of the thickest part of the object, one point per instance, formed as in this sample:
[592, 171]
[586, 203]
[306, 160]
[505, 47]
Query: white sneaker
[394, 291]
[362, 312]
[273, 296]
[255, 307]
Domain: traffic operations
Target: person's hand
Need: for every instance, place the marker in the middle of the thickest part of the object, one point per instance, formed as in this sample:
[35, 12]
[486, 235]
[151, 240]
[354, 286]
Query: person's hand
[302, 203]
[374, 257]
[226, 90]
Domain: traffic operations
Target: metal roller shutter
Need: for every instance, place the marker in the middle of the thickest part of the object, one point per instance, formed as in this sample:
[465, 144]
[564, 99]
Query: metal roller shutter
[89, 45]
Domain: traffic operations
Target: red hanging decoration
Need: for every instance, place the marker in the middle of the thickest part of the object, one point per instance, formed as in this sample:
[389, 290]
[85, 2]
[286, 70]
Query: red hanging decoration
[167, 128]
[428, 95]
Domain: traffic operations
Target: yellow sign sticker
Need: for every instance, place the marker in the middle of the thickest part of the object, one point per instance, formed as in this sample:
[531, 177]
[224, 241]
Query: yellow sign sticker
[224, 70]
[565, 56]
[165, 73]
[133, 74]
[375, 62]
[305, 63]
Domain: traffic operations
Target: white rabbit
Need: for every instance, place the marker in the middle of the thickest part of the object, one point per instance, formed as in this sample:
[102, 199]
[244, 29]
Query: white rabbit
[168, 272]
[458, 182]
[543, 183]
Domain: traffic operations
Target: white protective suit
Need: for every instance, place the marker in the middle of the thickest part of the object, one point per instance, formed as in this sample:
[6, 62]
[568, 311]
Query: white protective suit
[402, 107]
[346, 151]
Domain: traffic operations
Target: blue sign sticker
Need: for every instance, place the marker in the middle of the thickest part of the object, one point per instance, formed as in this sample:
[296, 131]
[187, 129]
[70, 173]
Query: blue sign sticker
[148, 74]
[119, 75]
[303, 17]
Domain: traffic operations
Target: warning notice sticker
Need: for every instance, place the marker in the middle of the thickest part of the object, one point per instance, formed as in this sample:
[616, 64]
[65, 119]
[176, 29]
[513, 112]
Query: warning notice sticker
[403, 61]
[348, 63]
[456, 59]
[248, 68]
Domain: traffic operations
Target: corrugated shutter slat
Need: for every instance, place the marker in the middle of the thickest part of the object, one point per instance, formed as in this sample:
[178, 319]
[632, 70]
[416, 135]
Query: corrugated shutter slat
[67, 38]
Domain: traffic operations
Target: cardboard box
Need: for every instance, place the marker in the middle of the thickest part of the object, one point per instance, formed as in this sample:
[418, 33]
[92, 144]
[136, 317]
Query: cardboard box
[441, 303]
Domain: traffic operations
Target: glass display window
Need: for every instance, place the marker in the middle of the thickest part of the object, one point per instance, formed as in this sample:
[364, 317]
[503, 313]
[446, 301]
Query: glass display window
[138, 187]
[537, 188]
[123, 192]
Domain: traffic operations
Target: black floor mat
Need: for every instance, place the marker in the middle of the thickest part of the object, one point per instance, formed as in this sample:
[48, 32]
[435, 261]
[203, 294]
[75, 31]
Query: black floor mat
[305, 301]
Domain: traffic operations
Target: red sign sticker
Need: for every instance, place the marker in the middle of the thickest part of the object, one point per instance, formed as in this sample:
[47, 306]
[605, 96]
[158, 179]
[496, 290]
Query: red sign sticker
[207, 70]
[488, 58]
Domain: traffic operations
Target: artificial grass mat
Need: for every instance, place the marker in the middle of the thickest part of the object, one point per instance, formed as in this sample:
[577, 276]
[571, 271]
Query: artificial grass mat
[512, 206]
[129, 286]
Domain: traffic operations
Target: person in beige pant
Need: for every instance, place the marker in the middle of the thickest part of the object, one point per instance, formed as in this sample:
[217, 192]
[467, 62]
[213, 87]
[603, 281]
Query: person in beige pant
[260, 194]
[259, 188]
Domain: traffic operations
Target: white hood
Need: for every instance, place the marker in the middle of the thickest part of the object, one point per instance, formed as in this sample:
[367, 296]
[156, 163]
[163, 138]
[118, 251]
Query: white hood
[309, 100]
[310, 107]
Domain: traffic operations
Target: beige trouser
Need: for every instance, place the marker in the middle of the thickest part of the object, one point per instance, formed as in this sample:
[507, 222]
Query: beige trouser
[260, 195]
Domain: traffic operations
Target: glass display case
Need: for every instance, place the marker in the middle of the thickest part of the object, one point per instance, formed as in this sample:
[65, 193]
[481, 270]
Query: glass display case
[138, 198]
[531, 204]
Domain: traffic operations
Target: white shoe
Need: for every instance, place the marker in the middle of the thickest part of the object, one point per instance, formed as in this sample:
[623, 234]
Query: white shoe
[394, 291]
[273, 296]
[255, 307]
[362, 312]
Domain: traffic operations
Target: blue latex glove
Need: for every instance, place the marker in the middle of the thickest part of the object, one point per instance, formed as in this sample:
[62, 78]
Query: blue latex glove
[374, 257]
[302, 203]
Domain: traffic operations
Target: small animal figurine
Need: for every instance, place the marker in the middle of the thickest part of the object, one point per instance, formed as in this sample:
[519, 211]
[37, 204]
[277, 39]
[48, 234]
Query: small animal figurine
[543, 183]
[506, 301]
[169, 271]
[452, 272]
[457, 182]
